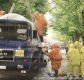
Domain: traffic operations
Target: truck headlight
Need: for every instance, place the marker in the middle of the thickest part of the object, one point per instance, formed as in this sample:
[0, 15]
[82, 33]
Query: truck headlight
[19, 53]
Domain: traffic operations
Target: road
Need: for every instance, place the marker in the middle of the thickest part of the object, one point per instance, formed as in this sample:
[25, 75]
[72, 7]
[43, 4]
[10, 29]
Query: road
[16, 75]
[40, 75]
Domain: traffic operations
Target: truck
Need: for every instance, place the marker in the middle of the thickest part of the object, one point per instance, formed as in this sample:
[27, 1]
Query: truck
[20, 44]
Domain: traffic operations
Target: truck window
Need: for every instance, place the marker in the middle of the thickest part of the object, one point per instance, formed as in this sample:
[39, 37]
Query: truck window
[22, 34]
[13, 31]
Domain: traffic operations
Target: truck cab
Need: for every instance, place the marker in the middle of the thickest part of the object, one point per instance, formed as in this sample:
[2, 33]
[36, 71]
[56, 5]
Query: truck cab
[20, 46]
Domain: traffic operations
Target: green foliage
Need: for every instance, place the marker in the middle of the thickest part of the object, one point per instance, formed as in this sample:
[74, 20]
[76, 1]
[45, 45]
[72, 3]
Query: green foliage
[24, 7]
[5, 5]
[39, 5]
[68, 16]
[62, 37]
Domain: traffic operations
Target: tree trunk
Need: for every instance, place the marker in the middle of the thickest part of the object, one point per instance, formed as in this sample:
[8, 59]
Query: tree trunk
[75, 36]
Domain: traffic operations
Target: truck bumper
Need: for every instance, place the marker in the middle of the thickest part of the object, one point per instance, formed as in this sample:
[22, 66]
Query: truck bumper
[13, 65]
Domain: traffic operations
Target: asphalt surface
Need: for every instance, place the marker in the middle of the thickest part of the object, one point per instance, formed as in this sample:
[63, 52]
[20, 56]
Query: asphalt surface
[36, 75]
[42, 74]
[16, 75]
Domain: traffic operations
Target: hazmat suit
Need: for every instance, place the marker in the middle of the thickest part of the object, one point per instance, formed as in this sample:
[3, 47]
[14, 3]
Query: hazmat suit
[73, 59]
[82, 60]
[77, 44]
[55, 58]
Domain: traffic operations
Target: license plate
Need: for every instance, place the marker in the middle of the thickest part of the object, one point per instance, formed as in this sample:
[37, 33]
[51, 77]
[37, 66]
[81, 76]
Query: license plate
[19, 53]
[2, 67]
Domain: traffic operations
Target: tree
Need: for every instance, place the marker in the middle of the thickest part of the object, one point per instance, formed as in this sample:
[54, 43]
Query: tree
[68, 17]
[24, 7]
[5, 5]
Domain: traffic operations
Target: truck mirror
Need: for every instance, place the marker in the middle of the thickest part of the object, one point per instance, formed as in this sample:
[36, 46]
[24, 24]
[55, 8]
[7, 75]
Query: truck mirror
[0, 29]
[34, 34]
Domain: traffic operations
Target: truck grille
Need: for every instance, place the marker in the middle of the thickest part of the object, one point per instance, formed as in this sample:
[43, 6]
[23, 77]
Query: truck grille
[6, 55]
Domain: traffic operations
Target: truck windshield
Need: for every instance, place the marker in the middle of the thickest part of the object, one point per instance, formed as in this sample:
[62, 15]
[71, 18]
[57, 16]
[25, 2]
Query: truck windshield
[13, 31]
